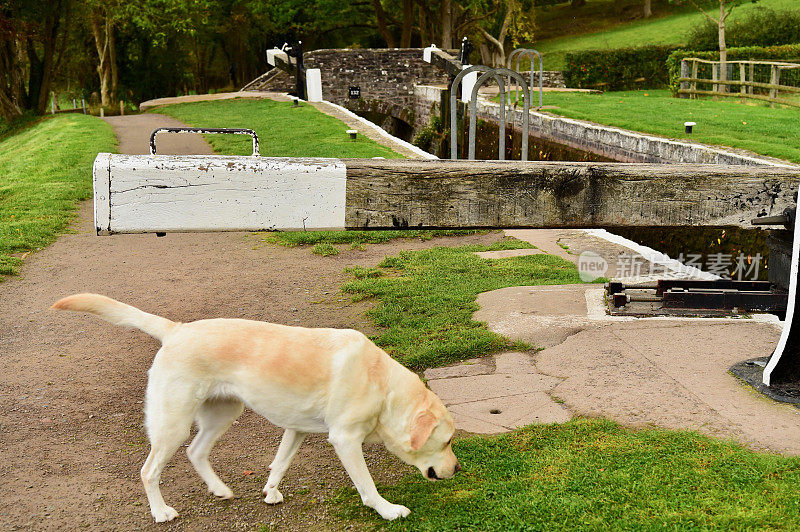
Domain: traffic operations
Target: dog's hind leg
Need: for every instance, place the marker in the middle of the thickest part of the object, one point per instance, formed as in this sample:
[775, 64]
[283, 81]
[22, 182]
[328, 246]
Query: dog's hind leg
[286, 450]
[213, 419]
[168, 418]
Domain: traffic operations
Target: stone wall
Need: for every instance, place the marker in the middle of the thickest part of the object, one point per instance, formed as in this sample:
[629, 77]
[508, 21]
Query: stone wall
[386, 77]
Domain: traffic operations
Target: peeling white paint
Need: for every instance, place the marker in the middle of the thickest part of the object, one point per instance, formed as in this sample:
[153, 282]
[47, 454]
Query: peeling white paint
[218, 193]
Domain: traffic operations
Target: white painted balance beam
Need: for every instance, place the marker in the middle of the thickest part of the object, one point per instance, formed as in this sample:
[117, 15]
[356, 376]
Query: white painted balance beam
[169, 193]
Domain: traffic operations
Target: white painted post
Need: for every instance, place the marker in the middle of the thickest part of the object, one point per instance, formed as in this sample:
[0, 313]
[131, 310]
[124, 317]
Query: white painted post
[314, 85]
[427, 52]
[467, 85]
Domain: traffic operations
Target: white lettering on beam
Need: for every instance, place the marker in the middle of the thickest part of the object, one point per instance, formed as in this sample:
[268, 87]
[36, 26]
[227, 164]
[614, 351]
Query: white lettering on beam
[155, 193]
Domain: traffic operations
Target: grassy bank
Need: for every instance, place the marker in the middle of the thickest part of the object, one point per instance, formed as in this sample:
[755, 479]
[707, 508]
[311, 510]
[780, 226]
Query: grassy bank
[45, 169]
[726, 122]
[595, 475]
[283, 131]
[595, 26]
[426, 299]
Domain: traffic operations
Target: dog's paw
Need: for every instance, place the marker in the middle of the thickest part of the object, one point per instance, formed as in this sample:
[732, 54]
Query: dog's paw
[223, 492]
[391, 512]
[273, 496]
[165, 514]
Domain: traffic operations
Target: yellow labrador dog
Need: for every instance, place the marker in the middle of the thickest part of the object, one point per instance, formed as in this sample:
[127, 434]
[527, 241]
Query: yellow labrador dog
[304, 380]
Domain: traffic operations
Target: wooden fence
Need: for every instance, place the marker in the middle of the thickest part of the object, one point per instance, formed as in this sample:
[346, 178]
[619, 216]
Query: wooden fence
[749, 72]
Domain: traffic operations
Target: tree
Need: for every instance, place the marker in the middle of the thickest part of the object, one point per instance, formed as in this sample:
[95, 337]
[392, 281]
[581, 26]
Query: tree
[32, 40]
[499, 22]
[647, 10]
[725, 9]
[103, 17]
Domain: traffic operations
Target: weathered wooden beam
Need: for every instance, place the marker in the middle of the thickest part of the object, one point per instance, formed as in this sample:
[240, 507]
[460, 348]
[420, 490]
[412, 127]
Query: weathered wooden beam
[405, 193]
[217, 193]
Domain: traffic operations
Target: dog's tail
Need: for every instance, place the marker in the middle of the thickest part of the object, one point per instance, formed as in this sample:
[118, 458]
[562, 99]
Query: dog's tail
[118, 313]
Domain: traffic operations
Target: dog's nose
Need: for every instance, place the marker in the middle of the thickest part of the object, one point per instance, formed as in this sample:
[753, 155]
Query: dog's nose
[432, 474]
[457, 468]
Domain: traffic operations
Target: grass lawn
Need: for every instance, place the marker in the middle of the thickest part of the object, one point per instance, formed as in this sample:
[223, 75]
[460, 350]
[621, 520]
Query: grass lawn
[725, 122]
[325, 242]
[595, 475]
[283, 131]
[667, 26]
[44, 170]
[426, 299]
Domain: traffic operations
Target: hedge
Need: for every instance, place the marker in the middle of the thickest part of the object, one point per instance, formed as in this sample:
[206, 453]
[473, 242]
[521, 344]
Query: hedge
[788, 52]
[618, 69]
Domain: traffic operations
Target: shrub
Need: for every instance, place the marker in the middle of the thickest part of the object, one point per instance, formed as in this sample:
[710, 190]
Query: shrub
[619, 69]
[760, 27]
[789, 52]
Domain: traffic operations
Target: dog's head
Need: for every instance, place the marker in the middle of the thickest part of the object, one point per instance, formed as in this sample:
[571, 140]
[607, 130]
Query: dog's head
[426, 441]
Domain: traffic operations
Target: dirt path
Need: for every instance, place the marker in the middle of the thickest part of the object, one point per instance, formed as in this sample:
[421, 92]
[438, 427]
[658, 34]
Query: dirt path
[71, 441]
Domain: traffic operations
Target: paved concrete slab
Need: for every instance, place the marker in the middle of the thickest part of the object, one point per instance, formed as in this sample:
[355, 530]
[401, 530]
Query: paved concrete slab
[480, 387]
[515, 411]
[468, 368]
[542, 316]
[511, 392]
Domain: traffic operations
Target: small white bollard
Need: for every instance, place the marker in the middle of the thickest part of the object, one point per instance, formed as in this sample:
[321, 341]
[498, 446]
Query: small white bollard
[688, 126]
[353, 133]
[427, 52]
[467, 85]
[314, 85]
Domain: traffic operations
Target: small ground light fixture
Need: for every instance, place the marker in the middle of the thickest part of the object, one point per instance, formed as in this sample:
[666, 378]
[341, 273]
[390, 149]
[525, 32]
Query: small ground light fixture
[353, 133]
[688, 126]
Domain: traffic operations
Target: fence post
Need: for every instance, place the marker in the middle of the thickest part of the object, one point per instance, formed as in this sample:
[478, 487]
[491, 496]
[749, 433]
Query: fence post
[773, 80]
[684, 74]
[694, 76]
[752, 76]
[715, 77]
[743, 79]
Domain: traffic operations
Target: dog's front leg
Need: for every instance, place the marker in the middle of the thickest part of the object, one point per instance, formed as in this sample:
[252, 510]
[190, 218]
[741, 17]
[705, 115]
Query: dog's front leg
[348, 448]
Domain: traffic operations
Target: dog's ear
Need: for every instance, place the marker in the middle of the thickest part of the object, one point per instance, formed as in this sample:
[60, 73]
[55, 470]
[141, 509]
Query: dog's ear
[421, 429]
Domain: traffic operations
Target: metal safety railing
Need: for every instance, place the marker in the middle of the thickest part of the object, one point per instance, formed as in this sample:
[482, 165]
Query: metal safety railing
[533, 55]
[487, 73]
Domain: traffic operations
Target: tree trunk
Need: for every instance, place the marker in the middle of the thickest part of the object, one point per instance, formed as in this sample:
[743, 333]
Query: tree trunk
[423, 28]
[100, 31]
[112, 62]
[408, 23]
[49, 41]
[12, 93]
[723, 50]
[648, 11]
[447, 24]
[380, 15]
[618, 5]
